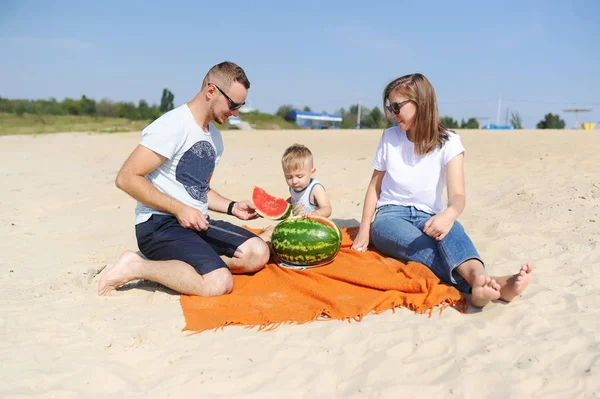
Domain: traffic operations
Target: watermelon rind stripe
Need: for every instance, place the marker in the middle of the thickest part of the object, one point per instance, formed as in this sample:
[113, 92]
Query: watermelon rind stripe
[306, 241]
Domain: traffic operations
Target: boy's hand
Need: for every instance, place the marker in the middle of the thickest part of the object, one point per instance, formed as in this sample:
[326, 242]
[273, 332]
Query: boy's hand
[244, 210]
[307, 214]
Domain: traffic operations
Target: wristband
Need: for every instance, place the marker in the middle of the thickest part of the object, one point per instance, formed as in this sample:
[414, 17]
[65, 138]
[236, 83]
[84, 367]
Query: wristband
[230, 208]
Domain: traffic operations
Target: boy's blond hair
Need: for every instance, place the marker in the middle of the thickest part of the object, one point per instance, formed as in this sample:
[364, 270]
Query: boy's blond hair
[295, 156]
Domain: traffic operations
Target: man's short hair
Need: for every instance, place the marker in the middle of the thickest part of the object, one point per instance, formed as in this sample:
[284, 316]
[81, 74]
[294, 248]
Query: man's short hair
[295, 156]
[225, 74]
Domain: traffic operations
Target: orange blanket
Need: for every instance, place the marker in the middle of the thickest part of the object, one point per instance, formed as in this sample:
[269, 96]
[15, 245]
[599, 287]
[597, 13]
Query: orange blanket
[354, 285]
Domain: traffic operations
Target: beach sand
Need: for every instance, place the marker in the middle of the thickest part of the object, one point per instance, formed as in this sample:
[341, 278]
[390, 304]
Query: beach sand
[531, 195]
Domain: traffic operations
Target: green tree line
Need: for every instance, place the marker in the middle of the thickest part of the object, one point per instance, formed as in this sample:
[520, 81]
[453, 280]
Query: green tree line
[371, 118]
[375, 119]
[89, 107]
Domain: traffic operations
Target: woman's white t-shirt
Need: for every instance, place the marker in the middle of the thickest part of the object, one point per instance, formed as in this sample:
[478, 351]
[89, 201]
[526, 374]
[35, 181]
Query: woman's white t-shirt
[411, 179]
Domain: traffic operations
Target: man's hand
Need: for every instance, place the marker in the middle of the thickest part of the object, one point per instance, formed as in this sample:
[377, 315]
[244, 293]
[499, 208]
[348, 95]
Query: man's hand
[191, 218]
[244, 210]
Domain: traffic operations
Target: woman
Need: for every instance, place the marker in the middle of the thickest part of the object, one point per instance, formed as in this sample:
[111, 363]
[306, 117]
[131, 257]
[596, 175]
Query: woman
[415, 160]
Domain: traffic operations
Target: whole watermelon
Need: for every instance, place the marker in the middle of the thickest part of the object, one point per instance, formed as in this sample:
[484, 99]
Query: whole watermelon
[310, 241]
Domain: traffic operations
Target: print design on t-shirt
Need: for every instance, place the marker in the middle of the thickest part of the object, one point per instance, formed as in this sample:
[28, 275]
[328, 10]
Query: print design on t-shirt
[194, 168]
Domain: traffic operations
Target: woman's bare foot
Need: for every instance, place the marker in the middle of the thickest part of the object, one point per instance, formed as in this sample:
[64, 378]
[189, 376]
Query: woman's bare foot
[484, 289]
[512, 286]
[118, 274]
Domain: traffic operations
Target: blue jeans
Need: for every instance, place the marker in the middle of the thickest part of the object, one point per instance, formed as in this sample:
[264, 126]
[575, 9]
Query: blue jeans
[397, 231]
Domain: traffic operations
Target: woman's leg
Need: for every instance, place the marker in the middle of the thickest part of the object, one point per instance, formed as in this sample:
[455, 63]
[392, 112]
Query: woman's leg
[464, 264]
[395, 236]
[513, 285]
[396, 232]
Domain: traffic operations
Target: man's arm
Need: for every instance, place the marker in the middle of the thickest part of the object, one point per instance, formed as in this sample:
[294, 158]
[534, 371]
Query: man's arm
[131, 180]
[216, 202]
[243, 210]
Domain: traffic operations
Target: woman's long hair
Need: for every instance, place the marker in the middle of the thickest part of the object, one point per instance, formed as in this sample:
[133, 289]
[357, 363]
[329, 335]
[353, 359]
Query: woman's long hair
[428, 131]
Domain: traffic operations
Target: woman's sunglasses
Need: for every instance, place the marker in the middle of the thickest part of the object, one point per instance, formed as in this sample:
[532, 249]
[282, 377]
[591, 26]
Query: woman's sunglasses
[394, 108]
[233, 106]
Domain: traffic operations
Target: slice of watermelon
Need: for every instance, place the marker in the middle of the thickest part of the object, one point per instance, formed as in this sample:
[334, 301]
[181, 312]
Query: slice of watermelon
[270, 207]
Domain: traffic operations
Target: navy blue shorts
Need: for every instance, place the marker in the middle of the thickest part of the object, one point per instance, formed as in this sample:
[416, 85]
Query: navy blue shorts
[162, 238]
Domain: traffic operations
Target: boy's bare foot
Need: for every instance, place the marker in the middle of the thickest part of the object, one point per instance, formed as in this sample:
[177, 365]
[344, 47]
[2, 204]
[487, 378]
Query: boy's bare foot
[514, 285]
[484, 289]
[118, 274]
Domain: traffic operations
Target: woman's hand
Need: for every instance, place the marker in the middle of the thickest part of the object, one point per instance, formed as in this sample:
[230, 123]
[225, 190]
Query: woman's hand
[361, 241]
[438, 226]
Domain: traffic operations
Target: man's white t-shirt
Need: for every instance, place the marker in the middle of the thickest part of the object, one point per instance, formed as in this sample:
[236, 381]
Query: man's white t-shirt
[411, 179]
[192, 155]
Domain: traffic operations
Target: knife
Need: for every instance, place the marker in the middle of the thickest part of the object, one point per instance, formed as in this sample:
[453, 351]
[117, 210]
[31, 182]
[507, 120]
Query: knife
[210, 226]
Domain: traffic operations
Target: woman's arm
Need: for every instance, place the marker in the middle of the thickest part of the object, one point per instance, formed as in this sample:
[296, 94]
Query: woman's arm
[439, 225]
[361, 242]
[455, 172]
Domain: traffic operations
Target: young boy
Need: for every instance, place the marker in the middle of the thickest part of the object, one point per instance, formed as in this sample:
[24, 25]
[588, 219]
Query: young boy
[307, 195]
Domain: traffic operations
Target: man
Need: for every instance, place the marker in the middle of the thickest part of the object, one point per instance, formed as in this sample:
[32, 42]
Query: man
[169, 174]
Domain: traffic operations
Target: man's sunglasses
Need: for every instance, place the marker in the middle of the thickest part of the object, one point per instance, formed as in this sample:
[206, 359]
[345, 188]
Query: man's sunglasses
[233, 106]
[394, 108]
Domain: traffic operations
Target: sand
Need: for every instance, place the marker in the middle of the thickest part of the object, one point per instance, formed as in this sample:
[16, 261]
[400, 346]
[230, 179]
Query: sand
[531, 195]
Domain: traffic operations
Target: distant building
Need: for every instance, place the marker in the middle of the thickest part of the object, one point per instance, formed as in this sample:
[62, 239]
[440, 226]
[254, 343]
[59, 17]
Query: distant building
[246, 109]
[234, 120]
[498, 127]
[313, 120]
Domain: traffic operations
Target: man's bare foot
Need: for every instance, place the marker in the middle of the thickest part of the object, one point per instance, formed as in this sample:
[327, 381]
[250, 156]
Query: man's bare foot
[266, 234]
[266, 237]
[118, 274]
[484, 289]
[512, 286]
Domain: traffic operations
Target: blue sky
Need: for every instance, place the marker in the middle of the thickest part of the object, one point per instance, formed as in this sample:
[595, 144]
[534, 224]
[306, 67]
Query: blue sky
[542, 56]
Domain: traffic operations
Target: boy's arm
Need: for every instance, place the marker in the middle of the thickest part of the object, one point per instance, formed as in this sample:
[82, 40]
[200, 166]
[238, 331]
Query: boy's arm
[319, 197]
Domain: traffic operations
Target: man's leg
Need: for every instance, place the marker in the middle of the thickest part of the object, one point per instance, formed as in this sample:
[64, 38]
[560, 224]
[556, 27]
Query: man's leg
[179, 259]
[250, 257]
[246, 254]
[174, 274]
